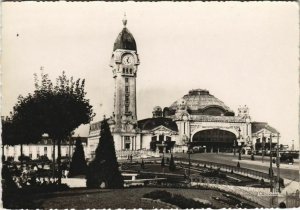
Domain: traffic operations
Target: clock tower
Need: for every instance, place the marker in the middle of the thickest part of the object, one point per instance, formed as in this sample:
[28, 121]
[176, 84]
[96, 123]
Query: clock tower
[124, 64]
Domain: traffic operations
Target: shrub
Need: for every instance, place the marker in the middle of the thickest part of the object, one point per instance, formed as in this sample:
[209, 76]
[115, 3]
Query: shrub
[172, 166]
[44, 158]
[175, 199]
[8, 183]
[104, 169]
[24, 158]
[78, 165]
[158, 194]
[10, 159]
[44, 188]
[282, 205]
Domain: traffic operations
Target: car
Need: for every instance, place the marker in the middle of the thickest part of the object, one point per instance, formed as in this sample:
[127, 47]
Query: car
[196, 149]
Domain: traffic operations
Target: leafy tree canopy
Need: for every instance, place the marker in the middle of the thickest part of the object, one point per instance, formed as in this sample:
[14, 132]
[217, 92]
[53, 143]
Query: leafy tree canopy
[53, 109]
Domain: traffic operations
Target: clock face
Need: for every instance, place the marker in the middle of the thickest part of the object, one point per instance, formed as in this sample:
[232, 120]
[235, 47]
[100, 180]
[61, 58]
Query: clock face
[127, 60]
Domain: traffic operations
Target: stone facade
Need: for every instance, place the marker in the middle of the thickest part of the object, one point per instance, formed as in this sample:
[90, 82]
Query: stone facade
[124, 64]
[45, 148]
[196, 119]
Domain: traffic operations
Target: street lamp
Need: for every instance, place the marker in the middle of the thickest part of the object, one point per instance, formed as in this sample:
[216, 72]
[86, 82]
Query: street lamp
[240, 156]
[189, 154]
[234, 147]
[271, 167]
[249, 141]
[278, 162]
[263, 148]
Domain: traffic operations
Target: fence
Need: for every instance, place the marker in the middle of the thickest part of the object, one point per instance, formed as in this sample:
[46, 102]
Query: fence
[226, 168]
[124, 154]
[292, 199]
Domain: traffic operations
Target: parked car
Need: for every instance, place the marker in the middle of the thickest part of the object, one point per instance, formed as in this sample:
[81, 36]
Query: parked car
[196, 149]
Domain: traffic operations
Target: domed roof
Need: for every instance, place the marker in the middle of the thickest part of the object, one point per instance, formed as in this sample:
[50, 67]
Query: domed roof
[199, 101]
[151, 123]
[125, 40]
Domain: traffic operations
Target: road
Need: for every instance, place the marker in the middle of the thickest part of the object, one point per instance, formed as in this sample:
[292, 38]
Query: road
[290, 172]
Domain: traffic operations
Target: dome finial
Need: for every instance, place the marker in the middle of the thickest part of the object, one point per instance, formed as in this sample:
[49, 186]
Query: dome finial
[124, 20]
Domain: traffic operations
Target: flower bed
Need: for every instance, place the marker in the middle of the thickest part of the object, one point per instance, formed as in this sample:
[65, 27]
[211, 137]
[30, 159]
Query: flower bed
[175, 199]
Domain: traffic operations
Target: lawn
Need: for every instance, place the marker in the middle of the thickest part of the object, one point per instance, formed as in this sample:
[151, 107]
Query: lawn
[118, 198]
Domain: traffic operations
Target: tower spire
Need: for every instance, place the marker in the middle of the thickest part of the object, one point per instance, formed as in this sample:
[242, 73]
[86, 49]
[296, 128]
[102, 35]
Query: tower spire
[124, 20]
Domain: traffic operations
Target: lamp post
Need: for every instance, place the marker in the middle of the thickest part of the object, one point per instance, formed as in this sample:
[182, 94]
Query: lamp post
[189, 154]
[278, 163]
[234, 144]
[163, 146]
[271, 167]
[239, 144]
[249, 141]
[263, 148]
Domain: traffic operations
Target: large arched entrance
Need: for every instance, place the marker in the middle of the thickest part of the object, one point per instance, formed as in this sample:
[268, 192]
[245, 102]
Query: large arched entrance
[215, 140]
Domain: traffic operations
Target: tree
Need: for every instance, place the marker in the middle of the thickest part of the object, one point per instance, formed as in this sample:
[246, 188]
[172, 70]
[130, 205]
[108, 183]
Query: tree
[6, 134]
[104, 169]
[78, 164]
[172, 166]
[56, 110]
[15, 132]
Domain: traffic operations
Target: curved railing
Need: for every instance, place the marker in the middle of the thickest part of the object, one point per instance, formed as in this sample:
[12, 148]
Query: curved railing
[226, 168]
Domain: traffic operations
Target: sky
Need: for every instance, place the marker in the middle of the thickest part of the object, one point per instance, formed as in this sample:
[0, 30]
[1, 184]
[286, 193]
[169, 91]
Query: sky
[244, 53]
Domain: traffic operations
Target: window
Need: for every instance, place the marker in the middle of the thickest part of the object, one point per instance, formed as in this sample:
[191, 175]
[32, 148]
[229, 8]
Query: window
[45, 150]
[126, 89]
[126, 71]
[126, 80]
[161, 138]
[126, 99]
[130, 71]
[126, 109]
[123, 71]
[127, 142]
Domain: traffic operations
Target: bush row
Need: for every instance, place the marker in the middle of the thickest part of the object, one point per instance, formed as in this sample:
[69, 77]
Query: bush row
[176, 199]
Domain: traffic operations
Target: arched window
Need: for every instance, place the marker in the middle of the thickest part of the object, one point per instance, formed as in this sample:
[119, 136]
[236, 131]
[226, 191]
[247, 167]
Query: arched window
[130, 71]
